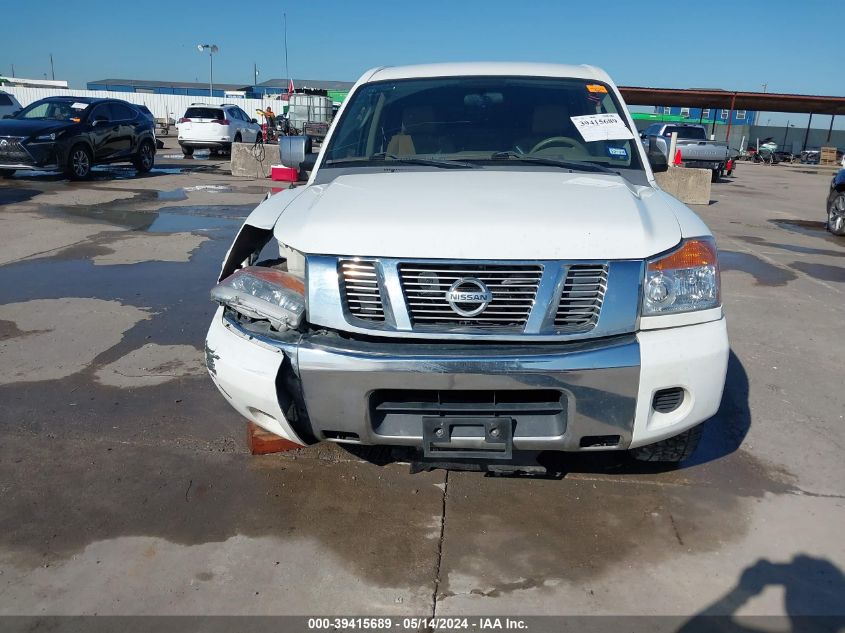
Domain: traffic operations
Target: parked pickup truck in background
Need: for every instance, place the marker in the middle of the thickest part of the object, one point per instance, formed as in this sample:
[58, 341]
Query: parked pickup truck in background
[696, 150]
[479, 268]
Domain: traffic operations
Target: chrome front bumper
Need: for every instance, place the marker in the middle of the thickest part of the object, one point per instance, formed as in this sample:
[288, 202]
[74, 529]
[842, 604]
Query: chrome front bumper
[334, 380]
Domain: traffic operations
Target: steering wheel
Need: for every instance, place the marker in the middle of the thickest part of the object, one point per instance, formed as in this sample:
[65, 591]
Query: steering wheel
[566, 141]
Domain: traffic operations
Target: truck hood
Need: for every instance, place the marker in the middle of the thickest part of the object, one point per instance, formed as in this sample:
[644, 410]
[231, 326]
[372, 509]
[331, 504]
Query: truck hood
[479, 214]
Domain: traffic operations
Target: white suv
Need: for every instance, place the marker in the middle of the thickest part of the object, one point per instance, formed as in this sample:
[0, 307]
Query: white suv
[215, 127]
[8, 104]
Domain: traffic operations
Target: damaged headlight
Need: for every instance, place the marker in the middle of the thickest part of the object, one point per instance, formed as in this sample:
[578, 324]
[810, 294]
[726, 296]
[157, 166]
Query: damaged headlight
[264, 293]
[684, 280]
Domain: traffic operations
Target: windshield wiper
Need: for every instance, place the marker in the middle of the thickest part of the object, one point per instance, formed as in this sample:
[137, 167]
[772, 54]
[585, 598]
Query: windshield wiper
[408, 160]
[553, 162]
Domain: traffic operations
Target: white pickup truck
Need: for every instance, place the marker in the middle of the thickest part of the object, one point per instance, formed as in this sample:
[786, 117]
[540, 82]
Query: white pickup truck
[480, 267]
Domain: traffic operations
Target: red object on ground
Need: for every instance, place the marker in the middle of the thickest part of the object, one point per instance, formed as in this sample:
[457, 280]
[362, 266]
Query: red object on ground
[263, 442]
[287, 174]
[730, 164]
[678, 159]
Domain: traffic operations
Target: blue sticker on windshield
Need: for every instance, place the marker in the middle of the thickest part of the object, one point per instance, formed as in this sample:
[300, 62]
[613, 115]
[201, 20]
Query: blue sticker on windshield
[619, 153]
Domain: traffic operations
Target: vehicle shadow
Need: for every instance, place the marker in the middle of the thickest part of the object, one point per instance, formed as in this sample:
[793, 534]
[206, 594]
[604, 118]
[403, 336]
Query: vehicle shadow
[813, 600]
[723, 435]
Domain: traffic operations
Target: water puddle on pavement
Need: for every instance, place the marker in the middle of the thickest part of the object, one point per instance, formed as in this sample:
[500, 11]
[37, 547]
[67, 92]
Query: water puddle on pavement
[179, 222]
[201, 154]
[822, 272]
[173, 195]
[792, 248]
[813, 228]
[764, 273]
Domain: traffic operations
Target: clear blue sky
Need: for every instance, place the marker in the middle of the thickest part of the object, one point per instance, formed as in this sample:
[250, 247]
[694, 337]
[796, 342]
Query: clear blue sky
[668, 43]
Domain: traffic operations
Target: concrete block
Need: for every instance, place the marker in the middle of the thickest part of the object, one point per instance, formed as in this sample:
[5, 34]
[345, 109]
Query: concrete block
[690, 186]
[253, 164]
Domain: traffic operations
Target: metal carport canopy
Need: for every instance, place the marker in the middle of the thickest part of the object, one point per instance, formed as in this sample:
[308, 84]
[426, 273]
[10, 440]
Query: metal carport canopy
[727, 99]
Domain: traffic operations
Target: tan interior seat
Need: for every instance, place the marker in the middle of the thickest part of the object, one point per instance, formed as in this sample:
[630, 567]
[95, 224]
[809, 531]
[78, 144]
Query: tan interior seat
[418, 135]
[552, 120]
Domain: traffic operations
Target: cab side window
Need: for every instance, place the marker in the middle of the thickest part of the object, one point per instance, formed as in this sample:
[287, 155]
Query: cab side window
[120, 112]
[101, 113]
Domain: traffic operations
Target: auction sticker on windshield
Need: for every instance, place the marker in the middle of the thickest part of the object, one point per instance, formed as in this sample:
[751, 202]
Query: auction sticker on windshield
[76, 105]
[601, 127]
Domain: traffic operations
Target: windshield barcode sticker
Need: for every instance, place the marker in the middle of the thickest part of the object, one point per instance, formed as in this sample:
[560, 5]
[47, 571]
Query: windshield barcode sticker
[76, 105]
[601, 127]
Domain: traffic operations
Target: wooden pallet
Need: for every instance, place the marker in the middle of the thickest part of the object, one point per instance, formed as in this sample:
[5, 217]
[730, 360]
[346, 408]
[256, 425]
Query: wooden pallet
[262, 442]
[827, 156]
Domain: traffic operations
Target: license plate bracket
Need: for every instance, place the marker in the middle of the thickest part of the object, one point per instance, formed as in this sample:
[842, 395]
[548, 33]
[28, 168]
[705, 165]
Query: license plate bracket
[493, 438]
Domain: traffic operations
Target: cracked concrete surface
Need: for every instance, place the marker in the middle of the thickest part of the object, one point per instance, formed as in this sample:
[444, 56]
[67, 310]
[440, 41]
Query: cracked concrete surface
[55, 338]
[152, 365]
[27, 234]
[135, 248]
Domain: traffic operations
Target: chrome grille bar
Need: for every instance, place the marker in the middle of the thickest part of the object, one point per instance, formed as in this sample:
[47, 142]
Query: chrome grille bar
[513, 289]
[581, 298]
[360, 288]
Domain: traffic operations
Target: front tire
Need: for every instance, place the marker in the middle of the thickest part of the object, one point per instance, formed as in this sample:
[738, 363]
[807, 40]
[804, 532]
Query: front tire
[78, 163]
[187, 151]
[671, 450]
[836, 214]
[714, 175]
[145, 159]
[6, 173]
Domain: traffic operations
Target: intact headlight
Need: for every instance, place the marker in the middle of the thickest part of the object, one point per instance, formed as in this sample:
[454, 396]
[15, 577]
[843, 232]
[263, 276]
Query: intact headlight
[52, 136]
[684, 280]
[264, 293]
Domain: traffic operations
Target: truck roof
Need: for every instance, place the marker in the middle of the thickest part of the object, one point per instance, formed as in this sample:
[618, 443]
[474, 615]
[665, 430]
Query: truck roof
[463, 69]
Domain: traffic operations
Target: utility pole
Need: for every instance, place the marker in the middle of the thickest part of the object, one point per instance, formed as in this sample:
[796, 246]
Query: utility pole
[287, 70]
[52, 70]
[765, 86]
[13, 71]
[211, 48]
[255, 74]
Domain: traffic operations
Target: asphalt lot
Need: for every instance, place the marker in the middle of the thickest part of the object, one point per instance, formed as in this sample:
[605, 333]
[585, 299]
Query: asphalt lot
[126, 486]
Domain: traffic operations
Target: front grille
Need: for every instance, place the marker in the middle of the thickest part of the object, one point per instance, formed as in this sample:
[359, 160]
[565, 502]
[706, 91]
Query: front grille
[580, 301]
[513, 289]
[360, 287]
[11, 150]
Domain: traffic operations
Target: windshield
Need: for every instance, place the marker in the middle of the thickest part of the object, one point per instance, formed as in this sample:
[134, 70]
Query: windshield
[488, 121]
[686, 132]
[204, 113]
[54, 109]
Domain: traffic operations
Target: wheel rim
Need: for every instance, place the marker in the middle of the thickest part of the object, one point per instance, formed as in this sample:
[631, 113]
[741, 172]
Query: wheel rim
[80, 162]
[836, 215]
[146, 156]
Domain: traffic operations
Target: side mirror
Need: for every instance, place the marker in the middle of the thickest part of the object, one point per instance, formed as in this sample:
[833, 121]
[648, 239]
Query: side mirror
[98, 120]
[253, 120]
[8, 116]
[656, 158]
[295, 151]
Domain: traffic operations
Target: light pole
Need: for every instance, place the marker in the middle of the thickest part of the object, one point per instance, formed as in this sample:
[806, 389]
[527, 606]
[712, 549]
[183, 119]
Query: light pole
[212, 48]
